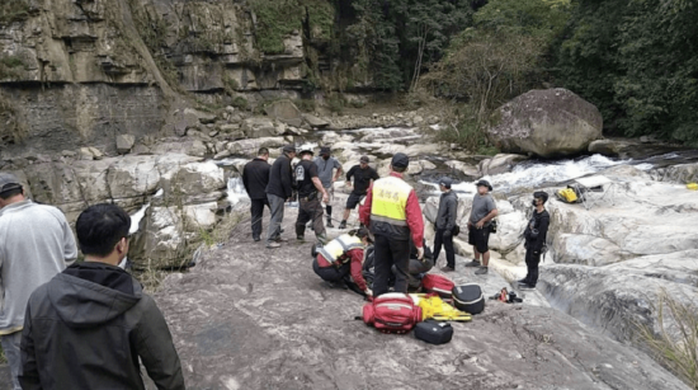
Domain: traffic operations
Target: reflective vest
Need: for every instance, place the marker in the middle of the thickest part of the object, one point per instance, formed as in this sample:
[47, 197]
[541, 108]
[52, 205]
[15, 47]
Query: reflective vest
[337, 248]
[390, 200]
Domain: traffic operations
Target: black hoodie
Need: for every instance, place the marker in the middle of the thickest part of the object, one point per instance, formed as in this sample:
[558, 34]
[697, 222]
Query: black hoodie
[86, 329]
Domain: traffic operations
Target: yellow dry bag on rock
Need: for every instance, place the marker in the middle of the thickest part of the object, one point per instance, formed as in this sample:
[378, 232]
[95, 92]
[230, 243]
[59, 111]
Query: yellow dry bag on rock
[692, 186]
[434, 307]
[567, 195]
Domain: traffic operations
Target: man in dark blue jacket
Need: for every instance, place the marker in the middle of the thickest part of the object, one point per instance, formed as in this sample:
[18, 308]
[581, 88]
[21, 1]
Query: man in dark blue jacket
[90, 325]
[445, 223]
[279, 190]
[255, 177]
[535, 236]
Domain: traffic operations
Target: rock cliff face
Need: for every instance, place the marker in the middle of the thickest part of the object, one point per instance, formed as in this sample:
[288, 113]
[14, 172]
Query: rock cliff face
[81, 72]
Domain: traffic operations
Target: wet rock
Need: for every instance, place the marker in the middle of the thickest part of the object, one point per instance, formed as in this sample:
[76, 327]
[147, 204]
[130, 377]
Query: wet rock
[548, 123]
[259, 127]
[203, 117]
[124, 143]
[90, 153]
[184, 121]
[464, 168]
[315, 122]
[500, 163]
[249, 147]
[238, 316]
[285, 111]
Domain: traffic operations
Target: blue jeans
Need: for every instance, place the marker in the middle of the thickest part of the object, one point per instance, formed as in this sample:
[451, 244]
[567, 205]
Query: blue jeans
[10, 345]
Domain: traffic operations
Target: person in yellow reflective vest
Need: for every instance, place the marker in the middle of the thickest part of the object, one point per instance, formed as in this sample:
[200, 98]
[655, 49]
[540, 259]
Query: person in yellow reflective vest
[343, 257]
[391, 211]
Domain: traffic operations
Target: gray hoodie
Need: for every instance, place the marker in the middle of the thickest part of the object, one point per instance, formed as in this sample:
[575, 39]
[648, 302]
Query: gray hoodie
[448, 211]
[87, 328]
[35, 244]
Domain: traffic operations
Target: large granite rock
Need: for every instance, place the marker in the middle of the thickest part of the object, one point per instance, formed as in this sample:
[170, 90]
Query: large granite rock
[238, 316]
[547, 123]
[285, 111]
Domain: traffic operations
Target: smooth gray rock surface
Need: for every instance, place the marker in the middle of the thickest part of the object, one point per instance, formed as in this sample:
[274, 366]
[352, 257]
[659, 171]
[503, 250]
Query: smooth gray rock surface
[253, 318]
[548, 123]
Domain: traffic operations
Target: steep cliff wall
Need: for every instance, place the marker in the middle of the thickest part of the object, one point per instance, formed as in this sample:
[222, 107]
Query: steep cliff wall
[79, 71]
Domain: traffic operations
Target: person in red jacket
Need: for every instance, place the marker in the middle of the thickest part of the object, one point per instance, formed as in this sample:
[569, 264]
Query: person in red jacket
[342, 257]
[391, 210]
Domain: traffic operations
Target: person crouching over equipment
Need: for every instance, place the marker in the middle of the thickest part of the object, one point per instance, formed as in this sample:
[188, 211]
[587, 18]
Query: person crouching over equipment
[343, 257]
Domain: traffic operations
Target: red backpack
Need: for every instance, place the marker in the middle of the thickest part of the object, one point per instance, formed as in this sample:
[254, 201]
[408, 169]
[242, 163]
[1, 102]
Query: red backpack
[438, 284]
[393, 312]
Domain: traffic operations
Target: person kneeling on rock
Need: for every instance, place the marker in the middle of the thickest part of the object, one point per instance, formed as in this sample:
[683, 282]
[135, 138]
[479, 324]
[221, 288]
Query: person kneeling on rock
[535, 236]
[342, 260]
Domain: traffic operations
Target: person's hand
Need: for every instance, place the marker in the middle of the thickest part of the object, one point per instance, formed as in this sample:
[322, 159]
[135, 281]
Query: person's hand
[470, 225]
[480, 224]
[348, 183]
[325, 197]
[420, 253]
[368, 292]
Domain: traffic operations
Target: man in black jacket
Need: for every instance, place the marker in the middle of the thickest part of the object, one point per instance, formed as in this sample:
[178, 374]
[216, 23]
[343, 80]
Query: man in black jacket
[255, 177]
[535, 236]
[279, 190]
[88, 326]
[309, 185]
[445, 223]
[364, 176]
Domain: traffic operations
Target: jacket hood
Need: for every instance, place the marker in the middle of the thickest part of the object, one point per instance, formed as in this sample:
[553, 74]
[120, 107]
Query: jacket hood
[83, 303]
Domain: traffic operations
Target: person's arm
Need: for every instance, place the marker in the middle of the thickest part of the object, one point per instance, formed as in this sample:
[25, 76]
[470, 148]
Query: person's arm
[415, 220]
[350, 174]
[356, 266]
[542, 233]
[29, 370]
[246, 179]
[452, 213]
[365, 208]
[156, 349]
[493, 213]
[339, 172]
[70, 249]
[286, 177]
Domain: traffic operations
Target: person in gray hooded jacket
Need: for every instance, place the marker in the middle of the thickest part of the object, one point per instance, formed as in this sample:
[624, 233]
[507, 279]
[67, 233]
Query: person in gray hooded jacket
[445, 223]
[88, 326]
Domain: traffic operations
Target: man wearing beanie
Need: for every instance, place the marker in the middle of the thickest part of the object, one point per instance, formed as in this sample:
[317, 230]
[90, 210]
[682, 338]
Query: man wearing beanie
[446, 223]
[391, 211]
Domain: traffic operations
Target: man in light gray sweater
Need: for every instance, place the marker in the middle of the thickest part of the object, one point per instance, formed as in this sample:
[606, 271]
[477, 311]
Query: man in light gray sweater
[35, 244]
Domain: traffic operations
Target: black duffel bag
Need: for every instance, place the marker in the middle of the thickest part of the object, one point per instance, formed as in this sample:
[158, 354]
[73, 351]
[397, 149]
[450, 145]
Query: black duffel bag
[434, 332]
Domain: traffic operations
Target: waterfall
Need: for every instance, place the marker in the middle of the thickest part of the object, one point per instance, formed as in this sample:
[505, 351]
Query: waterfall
[236, 191]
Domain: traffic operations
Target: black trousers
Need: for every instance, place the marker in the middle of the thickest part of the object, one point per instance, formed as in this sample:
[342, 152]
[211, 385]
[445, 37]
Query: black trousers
[257, 211]
[532, 261]
[447, 242]
[388, 253]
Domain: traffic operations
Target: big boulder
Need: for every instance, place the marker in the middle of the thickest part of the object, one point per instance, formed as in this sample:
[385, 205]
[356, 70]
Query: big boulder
[548, 123]
[285, 111]
[260, 127]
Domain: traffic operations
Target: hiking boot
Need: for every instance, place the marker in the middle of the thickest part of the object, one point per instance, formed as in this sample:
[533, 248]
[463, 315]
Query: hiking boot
[473, 263]
[329, 224]
[273, 245]
[481, 271]
[342, 225]
[256, 239]
[300, 238]
[527, 286]
[522, 281]
[447, 269]
[280, 239]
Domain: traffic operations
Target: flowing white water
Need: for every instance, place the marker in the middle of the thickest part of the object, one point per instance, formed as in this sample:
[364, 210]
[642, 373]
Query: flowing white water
[236, 191]
[535, 174]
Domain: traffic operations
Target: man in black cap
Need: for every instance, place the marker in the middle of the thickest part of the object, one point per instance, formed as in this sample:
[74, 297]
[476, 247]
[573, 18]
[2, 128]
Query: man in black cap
[483, 211]
[363, 176]
[308, 185]
[391, 211]
[446, 223]
[326, 164]
[36, 243]
[279, 190]
[255, 177]
[535, 237]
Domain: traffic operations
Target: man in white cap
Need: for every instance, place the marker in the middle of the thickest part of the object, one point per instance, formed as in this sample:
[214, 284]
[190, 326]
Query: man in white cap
[36, 243]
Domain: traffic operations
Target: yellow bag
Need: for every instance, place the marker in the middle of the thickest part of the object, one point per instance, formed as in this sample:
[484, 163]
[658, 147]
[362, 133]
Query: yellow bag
[568, 195]
[692, 186]
[434, 307]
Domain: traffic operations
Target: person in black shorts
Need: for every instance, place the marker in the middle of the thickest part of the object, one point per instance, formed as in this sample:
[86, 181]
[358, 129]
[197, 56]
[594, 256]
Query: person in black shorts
[483, 211]
[363, 176]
